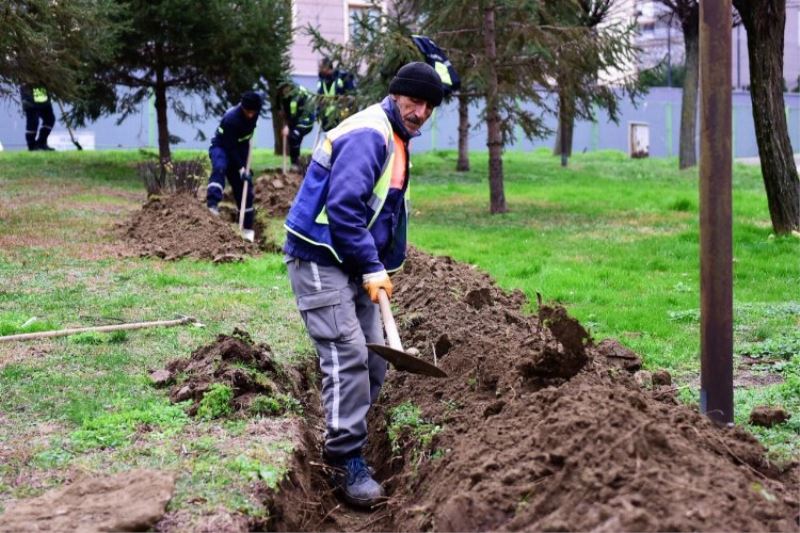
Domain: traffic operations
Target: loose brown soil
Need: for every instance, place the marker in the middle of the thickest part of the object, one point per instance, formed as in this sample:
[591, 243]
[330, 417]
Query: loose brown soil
[130, 501]
[276, 190]
[764, 415]
[248, 369]
[177, 226]
[541, 430]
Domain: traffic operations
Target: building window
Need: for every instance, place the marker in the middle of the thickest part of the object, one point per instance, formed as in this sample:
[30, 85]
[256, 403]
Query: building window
[356, 12]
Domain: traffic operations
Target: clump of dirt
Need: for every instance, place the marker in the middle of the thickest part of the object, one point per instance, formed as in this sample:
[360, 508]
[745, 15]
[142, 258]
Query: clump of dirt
[275, 191]
[176, 226]
[233, 360]
[543, 430]
[128, 501]
[766, 416]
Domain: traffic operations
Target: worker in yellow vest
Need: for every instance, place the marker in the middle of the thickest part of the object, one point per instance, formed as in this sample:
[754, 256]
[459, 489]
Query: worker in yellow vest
[346, 232]
[37, 107]
[332, 88]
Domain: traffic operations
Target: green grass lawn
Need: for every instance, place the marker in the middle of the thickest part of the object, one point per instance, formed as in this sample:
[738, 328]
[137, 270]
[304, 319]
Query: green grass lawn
[613, 239]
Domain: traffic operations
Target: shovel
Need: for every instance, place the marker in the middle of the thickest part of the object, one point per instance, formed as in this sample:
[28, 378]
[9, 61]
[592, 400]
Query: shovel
[285, 137]
[244, 187]
[394, 352]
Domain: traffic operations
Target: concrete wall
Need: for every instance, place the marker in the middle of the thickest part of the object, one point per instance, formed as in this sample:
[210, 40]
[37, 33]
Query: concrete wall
[660, 109]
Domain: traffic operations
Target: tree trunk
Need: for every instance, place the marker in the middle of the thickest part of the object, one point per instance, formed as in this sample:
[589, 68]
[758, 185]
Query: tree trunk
[566, 126]
[687, 154]
[765, 21]
[463, 134]
[160, 90]
[497, 198]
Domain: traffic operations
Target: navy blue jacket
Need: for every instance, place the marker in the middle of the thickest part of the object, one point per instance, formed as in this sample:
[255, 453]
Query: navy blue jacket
[356, 163]
[233, 135]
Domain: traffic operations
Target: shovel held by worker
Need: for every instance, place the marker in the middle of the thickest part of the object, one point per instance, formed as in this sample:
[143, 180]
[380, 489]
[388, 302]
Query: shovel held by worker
[285, 139]
[246, 183]
[394, 353]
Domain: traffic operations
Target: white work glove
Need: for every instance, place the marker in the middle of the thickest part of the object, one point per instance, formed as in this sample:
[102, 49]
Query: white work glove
[374, 282]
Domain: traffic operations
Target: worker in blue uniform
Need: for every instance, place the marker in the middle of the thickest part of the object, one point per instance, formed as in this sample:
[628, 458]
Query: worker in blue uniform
[228, 153]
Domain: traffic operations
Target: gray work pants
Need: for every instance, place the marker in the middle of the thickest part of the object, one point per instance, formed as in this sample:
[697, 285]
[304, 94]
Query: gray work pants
[341, 320]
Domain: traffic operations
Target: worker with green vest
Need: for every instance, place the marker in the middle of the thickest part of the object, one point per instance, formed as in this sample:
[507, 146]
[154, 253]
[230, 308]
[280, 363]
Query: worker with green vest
[332, 86]
[37, 106]
[346, 233]
[297, 113]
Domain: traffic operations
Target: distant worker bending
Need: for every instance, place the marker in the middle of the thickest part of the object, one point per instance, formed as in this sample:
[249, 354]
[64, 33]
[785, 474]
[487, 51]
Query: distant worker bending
[297, 112]
[228, 153]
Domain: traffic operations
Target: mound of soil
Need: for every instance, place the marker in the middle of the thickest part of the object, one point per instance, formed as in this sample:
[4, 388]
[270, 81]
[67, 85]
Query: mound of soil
[233, 360]
[276, 190]
[176, 226]
[129, 501]
[542, 430]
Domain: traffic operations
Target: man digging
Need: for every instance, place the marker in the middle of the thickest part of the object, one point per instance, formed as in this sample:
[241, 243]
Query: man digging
[228, 154]
[346, 232]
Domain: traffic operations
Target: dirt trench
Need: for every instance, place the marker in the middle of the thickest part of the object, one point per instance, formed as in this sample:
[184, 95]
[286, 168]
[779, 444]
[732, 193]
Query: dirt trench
[540, 428]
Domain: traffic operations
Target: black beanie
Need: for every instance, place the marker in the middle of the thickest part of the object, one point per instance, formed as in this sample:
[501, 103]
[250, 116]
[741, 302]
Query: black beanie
[418, 80]
[251, 101]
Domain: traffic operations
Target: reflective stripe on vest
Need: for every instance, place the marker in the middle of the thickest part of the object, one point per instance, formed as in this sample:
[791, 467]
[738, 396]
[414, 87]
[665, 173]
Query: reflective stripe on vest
[441, 70]
[39, 95]
[375, 118]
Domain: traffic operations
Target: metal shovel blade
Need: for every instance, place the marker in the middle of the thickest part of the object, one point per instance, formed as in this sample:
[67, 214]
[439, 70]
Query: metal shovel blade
[407, 363]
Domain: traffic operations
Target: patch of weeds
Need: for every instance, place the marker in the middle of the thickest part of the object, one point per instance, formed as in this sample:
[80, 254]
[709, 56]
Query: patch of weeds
[255, 470]
[53, 457]
[235, 428]
[86, 338]
[689, 316]
[265, 405]
[111, 430]
[276, 405]
[117, 337]
[406, 426]
[689, 396]
[216, 402]
[783, 346]
[95, 338]
[681, 205]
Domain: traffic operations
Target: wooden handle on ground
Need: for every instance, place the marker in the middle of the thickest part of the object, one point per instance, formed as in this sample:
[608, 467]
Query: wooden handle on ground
[113, 327]
[392, 336]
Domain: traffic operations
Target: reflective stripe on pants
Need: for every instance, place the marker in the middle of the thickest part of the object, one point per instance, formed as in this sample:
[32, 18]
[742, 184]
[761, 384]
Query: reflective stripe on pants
[341, 320]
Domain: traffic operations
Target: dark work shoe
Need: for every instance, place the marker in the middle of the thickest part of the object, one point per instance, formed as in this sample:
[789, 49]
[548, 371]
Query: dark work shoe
[353, 478]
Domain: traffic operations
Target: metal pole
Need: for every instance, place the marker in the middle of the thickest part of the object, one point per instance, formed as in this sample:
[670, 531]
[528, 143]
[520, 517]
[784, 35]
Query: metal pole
[716, 266]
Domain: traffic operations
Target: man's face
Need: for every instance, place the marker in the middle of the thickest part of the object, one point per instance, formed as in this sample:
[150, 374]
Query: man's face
[325, 71]
[413, 111]
[249, 113]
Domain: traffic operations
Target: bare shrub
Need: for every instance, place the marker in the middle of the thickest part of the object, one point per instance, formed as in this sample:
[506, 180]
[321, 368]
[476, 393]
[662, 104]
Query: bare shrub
[173, 176]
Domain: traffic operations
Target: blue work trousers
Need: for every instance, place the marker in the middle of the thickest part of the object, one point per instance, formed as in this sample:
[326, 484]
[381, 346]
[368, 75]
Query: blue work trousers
[221, 169]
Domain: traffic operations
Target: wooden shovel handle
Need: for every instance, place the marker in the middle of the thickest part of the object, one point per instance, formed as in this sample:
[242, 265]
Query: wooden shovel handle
[392, 336]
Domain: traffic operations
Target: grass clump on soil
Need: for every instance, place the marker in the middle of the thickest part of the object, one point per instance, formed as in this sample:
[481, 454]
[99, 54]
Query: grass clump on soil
[275, 405]
[216, 402]
[407, 429]
[114, 429]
